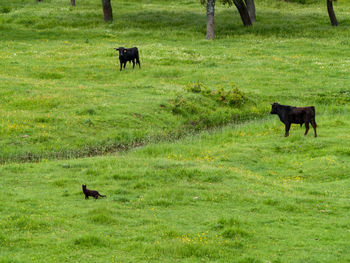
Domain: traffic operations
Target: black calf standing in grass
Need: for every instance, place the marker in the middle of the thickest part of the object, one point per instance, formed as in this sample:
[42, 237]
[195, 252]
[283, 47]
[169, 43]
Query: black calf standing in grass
[128, 54]
[299, 115]
[92, 193]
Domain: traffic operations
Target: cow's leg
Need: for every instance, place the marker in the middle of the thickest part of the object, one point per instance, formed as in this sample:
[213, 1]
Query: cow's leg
[121, 65]
[287, 130]
[133, 63]
[124, 64]
[314, 125]
[306, 127]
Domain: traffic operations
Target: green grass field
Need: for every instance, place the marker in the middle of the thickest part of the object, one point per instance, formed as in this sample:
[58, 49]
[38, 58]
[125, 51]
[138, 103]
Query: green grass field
[207, 175]
[62, 97]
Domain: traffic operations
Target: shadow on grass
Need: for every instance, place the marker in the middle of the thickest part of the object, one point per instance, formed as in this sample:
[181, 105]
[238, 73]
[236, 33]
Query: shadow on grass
[271, 22]
[274, 23]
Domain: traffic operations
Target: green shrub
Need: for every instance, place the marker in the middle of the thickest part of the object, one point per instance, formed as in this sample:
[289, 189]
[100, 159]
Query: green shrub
[5, 10]
[232, 96]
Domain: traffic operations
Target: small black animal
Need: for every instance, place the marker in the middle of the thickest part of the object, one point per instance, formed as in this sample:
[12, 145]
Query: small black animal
[299, 115]
[92, 193]
[128, 54]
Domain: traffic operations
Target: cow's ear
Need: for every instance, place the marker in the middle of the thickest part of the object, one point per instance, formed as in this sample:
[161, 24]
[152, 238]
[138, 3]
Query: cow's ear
[117, 49]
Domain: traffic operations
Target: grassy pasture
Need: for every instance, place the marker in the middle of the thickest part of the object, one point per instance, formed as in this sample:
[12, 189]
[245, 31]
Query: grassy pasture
[62, 94]
[241, 194]
[231, 189]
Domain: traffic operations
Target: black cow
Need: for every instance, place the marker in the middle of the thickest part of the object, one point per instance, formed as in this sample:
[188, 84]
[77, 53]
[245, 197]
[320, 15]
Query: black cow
[128, 54]
[299, 115]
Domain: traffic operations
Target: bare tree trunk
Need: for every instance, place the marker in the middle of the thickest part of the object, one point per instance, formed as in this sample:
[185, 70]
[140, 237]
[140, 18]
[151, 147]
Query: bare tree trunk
[107, 10]
[242, 9]
[72, 2]
[210, 19]
[331, 13]
[251, 9]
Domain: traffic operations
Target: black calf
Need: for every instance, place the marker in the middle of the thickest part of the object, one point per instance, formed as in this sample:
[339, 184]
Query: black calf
[299, 115]
[128, 54]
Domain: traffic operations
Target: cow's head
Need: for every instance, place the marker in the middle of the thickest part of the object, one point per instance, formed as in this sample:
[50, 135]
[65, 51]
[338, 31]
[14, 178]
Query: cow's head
[121, 51]
[274, 107]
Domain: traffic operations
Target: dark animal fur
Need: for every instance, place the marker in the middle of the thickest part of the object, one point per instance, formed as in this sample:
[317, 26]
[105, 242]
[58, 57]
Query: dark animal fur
[92, 193]
[128, 54]
[298, 115]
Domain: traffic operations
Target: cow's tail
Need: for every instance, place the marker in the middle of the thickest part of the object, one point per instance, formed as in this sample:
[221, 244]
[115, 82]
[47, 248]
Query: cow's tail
[137, 58]
[313, 112]
[313, 121]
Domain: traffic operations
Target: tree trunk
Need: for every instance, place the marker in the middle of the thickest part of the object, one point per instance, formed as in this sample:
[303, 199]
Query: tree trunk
[107, 10]
[242, 9]
[210, 19]
[72, 2]
[331, 13]
[251, 9]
